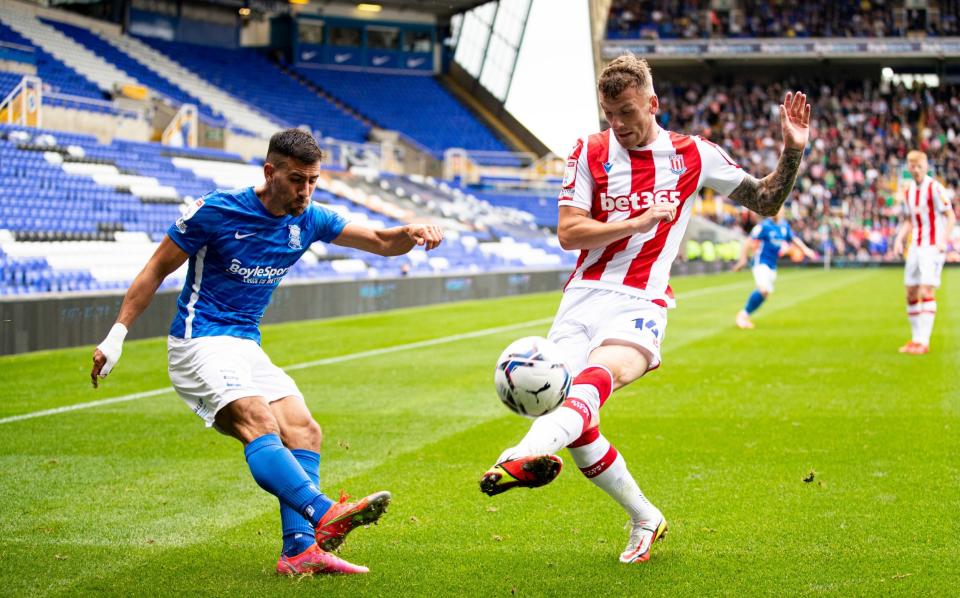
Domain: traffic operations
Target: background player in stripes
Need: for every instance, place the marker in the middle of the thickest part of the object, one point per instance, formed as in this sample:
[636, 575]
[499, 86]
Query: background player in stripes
[240, 244]
[928, 220]
[625, 201]
[768, 240]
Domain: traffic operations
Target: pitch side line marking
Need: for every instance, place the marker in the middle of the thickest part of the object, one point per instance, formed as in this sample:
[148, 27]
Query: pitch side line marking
[64, 409]
[341, 358]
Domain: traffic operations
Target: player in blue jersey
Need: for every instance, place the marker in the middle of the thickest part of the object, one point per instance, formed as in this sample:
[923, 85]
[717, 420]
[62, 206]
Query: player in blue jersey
[768, 240]
[240, 244]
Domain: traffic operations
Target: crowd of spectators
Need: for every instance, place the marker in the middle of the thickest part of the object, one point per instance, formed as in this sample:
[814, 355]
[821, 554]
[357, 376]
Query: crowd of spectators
[848, 196]
[692, 19]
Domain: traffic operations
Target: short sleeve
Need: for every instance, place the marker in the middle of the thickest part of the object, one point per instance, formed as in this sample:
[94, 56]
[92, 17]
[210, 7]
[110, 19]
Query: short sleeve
[720, 172]
[789, 236]
[326, 224]
[577, 187]
[192, 230]
[757, 230]
[941, 197]
[905, 210]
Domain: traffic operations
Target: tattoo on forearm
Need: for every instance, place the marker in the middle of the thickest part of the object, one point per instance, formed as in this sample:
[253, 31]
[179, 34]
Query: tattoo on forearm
[765, 196]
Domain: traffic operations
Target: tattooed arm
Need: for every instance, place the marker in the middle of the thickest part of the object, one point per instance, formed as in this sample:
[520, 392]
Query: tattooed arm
[766, 195]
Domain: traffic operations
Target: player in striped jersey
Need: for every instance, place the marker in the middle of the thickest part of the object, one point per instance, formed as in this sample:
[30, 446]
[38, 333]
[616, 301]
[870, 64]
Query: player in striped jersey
[928, 221]
[625, 201]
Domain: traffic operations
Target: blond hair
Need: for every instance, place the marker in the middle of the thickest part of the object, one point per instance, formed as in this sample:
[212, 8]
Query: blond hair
[621, 73]
[916, 155]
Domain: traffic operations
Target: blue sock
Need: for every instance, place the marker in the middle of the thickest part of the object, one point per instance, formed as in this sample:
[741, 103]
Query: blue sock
[753, 302]
[298, 533]
[276, 470]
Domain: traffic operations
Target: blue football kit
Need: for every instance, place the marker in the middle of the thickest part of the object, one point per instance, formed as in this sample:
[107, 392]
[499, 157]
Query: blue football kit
[772, 235]
[239, 252]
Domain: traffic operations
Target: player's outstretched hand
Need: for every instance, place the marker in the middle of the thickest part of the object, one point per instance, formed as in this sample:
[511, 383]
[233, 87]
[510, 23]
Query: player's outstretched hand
[428, 236]
[739, 265]
[795, 119]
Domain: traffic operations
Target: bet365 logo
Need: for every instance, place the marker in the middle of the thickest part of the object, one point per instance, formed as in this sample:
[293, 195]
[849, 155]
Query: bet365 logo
[638, 201]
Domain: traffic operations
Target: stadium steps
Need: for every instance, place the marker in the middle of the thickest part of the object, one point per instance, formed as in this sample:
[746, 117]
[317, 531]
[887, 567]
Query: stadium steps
[323, 93]
[236, 112]
[67, 51]
[157, 85]
[483, 114]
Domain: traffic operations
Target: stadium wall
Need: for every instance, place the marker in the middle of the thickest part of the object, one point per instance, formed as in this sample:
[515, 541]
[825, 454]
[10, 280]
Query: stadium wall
[77, 319]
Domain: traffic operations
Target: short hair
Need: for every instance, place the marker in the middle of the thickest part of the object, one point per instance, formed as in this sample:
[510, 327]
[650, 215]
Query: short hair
[621, 73]
[916, 155]
[296, 144]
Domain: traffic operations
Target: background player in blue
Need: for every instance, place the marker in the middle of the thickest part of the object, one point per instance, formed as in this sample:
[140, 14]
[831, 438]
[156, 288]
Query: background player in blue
[768, 240]
[240, 244]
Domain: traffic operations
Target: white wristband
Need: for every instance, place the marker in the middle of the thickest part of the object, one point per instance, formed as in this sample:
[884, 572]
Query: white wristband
[112, 347]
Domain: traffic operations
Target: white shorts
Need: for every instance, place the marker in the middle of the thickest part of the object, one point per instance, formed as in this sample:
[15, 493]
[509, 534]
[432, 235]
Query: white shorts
[211, 372]
[587, 318]
[764, 276]
[923, 267]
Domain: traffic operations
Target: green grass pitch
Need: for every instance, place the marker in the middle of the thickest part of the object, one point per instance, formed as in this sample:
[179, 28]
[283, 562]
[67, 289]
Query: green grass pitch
[137, 498]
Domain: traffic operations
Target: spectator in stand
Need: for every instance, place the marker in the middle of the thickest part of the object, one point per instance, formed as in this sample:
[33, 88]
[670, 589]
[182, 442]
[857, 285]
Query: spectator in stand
[691, 19]
[846, 198]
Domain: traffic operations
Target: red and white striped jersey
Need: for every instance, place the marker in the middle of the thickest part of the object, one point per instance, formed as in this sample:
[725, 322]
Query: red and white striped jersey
[926, 206]
[614, 183]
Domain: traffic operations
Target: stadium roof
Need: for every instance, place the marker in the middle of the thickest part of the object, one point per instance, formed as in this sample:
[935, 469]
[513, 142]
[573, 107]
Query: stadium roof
[436, 7]
[442, 8]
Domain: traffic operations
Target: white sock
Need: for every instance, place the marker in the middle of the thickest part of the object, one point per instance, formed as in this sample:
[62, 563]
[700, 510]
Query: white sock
[547, 435]
[605, 467]
[551, 432]
[928, 314]
[913, 314]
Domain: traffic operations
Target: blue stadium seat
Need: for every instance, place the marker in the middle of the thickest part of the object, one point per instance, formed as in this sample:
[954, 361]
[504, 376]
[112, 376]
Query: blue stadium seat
[135, 69]
[249, 75]
[405, 103]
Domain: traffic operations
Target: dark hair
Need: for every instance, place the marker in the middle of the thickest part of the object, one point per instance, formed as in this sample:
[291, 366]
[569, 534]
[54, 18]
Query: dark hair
[296, 144]
[623, 72]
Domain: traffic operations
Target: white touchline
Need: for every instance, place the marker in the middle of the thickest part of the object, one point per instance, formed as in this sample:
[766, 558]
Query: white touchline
[341, 358]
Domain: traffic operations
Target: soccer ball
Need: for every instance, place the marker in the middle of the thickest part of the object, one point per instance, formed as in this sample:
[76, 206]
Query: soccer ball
[532, 377]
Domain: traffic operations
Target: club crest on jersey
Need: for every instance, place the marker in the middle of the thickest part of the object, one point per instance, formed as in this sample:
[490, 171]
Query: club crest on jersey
[570, 174]
[181, 223]
[293, 241]
[676, 164]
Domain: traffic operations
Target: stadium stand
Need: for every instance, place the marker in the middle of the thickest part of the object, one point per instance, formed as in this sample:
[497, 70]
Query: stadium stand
[241, 116]
[68, 201]
[248, 74]
[861, 135]
[57, 76]
[136, 70]
[691, 19]
[77, 215]
[401, 102]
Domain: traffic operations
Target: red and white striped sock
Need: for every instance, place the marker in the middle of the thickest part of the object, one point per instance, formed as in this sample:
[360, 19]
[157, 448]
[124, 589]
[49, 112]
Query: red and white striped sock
[605, 467]
[551, 432]
[928, 313]
[913, 315]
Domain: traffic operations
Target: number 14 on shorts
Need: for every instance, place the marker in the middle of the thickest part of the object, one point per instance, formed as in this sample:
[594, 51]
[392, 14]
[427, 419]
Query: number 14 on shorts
[647, 324]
